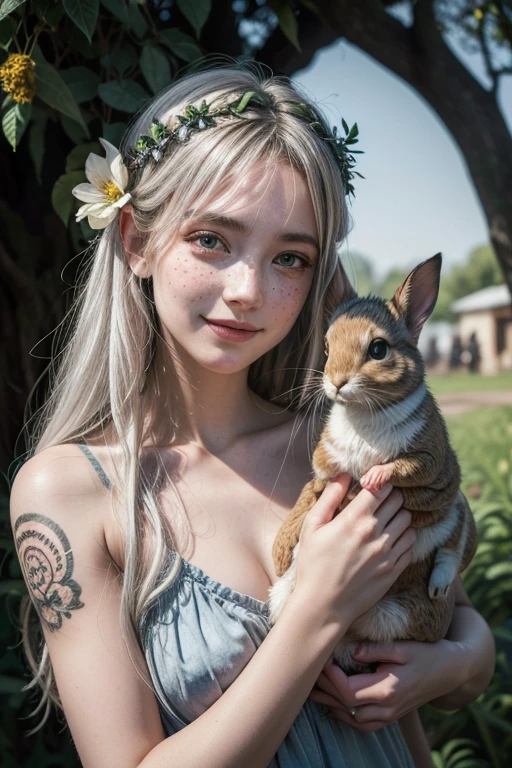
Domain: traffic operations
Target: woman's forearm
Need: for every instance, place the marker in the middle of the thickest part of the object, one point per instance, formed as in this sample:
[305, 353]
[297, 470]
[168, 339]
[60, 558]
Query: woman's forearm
[416, 739]
[474, 649]
[247, 724]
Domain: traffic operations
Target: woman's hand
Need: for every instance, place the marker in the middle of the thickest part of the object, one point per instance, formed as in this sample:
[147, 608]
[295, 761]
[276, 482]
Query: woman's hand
[347, 564]
[399, 685]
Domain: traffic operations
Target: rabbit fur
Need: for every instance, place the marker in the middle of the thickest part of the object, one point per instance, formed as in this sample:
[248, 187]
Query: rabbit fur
[385, 426]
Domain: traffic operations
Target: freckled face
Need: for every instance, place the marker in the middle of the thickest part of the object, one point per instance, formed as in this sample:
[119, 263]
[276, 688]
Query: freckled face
[245, 262]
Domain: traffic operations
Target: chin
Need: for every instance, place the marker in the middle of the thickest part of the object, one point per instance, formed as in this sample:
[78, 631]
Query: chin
[224, 364]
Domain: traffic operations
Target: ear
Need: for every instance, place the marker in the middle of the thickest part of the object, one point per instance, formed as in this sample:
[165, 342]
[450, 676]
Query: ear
[133, 242]
[417, 296]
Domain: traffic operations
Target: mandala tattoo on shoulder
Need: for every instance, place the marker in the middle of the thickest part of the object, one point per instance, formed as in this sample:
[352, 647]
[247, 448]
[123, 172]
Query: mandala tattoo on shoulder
[47, 561]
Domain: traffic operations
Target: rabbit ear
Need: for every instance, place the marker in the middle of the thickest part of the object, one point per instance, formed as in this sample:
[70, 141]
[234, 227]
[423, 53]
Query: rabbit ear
[417, 296]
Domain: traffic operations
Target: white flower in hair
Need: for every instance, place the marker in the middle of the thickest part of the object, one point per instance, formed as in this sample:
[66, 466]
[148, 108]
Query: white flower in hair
[105, 194]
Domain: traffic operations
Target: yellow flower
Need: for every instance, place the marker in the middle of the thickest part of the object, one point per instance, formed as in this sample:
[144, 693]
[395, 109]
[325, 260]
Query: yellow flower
[105, 194]
[17, 77]
[478, 14]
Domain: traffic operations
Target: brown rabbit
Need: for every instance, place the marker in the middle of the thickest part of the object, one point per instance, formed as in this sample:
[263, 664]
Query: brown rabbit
[385, 426]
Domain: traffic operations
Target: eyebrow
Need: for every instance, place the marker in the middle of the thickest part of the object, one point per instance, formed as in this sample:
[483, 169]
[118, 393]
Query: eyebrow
[239, 226]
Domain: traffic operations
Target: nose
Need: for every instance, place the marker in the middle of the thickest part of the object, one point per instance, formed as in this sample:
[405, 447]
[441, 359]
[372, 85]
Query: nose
[339, 382]
[243, 286]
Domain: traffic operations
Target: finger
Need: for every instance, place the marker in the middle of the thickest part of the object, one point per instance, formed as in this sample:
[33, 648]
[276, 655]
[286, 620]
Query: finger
[398, 524]
[326, 685]
[368, 502]
[388, 509]
[402, 561]
[373, 713]
[341, 684]
[319, 697]
[333, 494]
[339, 714]
[403, 548]
[367, 688]
[361, 689]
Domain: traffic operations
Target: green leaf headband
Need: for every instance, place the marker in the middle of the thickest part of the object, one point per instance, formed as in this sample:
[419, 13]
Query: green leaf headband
[152, 146]
[106, 191]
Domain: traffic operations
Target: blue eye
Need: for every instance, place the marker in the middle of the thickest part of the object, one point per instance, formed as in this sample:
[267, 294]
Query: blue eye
[289, 260]
[210, 238]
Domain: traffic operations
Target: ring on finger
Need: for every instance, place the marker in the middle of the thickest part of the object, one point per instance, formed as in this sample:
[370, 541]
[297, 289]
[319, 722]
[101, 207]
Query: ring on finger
[352, 713]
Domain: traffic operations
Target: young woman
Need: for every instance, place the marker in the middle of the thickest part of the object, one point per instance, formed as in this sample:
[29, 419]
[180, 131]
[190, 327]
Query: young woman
[175, 440]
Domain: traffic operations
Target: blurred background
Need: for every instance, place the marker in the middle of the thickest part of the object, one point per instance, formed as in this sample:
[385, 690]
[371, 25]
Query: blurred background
[429, 85]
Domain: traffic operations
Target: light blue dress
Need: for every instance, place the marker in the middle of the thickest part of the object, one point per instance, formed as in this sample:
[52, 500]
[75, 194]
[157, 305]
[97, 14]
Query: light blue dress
[199, 635]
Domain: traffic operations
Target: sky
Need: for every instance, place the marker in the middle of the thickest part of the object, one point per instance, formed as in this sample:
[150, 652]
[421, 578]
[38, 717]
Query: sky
[417, 198]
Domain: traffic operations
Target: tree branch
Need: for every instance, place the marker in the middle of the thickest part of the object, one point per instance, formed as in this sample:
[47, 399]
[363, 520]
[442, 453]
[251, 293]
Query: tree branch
[486, 53]
[283, 58]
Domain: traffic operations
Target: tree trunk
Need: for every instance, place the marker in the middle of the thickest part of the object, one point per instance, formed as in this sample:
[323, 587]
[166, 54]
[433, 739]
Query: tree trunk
[421, 57]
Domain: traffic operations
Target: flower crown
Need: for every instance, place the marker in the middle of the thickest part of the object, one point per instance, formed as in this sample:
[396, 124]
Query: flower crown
[108, 177]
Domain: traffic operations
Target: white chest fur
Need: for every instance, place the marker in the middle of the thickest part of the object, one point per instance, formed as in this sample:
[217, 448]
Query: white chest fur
[358, 440]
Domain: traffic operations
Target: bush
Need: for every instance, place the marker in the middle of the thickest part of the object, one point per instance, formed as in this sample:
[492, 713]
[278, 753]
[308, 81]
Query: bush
[480, 734]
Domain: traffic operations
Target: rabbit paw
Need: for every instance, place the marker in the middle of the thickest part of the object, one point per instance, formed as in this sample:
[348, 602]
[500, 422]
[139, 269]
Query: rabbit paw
[446, 566]
[376, 477]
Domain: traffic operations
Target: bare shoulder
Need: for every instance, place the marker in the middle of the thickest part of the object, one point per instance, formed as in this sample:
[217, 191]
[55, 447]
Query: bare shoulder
[55, 515]
[56, 471]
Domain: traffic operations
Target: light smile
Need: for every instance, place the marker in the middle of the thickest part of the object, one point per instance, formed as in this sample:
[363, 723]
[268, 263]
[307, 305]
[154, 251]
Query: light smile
[231, 330]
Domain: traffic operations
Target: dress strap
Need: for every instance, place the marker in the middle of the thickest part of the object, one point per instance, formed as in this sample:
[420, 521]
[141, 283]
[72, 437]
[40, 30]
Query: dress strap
[95, 463]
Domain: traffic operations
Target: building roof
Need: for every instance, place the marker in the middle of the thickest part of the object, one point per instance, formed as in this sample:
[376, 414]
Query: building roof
[493, 297]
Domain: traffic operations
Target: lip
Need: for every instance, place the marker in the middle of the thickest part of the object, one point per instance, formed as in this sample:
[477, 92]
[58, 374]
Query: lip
[232, 324]
[231, 330]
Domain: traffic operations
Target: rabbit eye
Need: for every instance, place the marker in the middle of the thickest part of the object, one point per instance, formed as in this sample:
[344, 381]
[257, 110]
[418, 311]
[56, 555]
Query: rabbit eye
[378, 349]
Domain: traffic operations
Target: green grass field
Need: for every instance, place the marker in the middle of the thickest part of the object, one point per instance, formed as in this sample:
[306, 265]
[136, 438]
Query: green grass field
[483, 441]
[453, 383]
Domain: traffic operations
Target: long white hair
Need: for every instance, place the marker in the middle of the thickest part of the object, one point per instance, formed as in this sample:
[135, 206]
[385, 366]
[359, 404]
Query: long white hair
[104, 378]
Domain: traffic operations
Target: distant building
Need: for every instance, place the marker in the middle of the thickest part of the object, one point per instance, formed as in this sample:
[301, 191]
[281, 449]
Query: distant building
[439, 333]
[488, 314]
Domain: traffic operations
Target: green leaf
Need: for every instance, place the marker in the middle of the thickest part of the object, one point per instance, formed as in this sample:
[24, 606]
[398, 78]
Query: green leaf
[36, 143]
[7, 32]
[287, 21]
[113, 132]
[80, 44]
[83, 13]
[82, 82]
[14, 122]
[8, 6]
[63, 201]
[118, 9]
[51, 88]
[74, 131]
[50, 12]
[75, 161]
[120, 58]
[125, 95]
[196, 13]
[155, 67]
[243, 103]
[181, 45]
[137, 22]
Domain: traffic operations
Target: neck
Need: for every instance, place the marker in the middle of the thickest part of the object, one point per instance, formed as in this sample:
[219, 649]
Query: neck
[190, 404]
